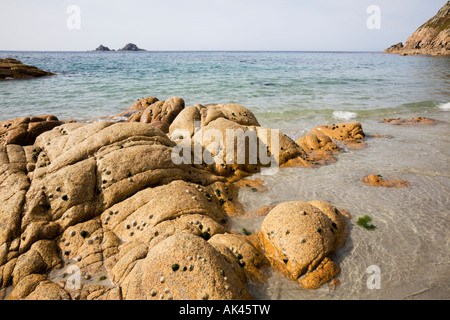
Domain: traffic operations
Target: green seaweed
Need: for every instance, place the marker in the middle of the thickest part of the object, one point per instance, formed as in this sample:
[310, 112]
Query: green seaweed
[246, 232]
[364, 222]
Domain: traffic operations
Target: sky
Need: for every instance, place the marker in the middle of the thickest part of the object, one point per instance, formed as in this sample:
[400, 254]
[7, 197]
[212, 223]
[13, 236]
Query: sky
[260, 25]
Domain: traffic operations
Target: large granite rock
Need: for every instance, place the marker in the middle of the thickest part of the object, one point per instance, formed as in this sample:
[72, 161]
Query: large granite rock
[23, 131]
[433, 37]
[101, 211]
[14, 69]
[159, 114]
[188, 118]
[168, 270]
[297, 236]
[216, 127]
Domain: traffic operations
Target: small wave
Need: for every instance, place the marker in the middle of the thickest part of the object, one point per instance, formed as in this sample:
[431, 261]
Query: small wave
[345, 115]
[445, 106]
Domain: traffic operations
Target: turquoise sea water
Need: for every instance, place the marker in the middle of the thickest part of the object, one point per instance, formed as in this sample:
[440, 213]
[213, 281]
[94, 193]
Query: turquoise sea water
[274, 85]
[294, 92]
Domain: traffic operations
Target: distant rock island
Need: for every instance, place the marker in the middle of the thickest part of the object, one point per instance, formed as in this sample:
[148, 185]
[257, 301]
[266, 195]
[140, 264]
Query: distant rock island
[103, 48]
[14, 69]
[433, 37]
[128, 47]
[131, 47]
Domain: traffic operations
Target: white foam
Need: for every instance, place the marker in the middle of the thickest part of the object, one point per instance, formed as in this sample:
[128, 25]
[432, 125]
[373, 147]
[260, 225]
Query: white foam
[445, 106]
[345, 115]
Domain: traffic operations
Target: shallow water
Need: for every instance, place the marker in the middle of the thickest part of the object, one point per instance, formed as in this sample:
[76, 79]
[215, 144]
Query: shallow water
[295, 92]
[411, 244]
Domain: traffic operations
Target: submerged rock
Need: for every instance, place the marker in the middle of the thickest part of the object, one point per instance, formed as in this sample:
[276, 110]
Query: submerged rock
[14, 69]
[410, 122]
[374, 180]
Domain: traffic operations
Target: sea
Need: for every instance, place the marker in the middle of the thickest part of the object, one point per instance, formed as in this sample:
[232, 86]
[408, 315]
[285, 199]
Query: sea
[407, 256]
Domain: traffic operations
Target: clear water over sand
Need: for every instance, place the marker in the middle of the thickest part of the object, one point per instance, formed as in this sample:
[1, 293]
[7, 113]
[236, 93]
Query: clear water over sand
[295, 92]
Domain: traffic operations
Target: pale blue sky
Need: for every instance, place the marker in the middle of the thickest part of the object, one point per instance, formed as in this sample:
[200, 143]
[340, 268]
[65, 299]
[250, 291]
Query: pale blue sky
[211, 24]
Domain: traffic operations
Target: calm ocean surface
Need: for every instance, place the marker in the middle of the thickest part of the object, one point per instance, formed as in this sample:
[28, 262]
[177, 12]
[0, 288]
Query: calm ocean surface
[274, 85]
[294, 92]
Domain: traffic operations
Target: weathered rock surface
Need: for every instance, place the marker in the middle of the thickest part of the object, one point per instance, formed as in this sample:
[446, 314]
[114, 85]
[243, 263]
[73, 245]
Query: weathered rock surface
[350, 135]
[159, 114]
[14, 69]
[374, 180]
[101, 211]
[194, 117]
[297, 236]
[215, 127]
[168, 270]
[319, 149]
[410, 122]
[433, 37]
[342, 131]
[23, 131]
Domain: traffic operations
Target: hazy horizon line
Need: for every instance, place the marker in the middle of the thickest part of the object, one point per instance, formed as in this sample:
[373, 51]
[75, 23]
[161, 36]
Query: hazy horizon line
[147, 51]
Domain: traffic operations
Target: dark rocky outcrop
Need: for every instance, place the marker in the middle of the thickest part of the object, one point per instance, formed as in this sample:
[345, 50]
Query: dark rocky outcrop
[131, 47]
[14, 69]
[433, 37]
[102, 48]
